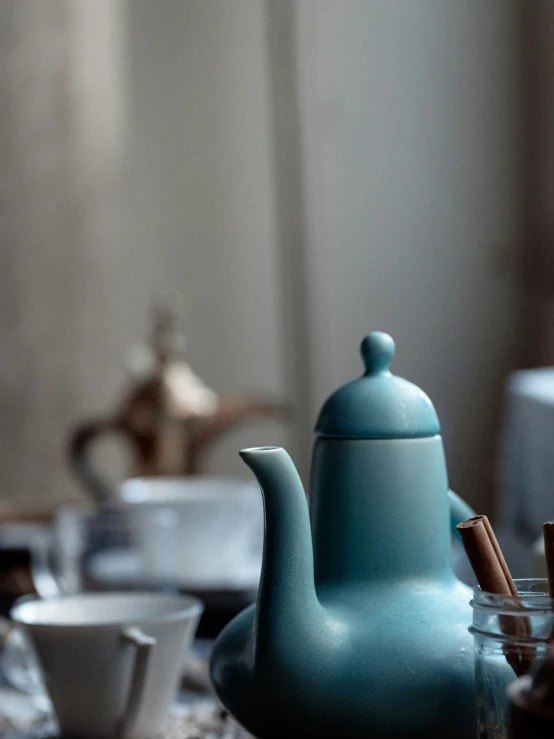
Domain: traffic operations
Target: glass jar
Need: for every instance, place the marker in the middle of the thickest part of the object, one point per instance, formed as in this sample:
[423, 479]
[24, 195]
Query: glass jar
[511, 636]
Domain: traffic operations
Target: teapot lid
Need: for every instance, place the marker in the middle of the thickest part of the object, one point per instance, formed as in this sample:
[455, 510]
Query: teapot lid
[378, 405]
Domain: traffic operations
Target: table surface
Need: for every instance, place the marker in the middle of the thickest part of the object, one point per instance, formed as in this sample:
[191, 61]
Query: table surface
[192, 716]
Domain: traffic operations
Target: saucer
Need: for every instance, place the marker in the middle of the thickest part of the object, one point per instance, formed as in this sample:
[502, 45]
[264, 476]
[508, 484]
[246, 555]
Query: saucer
[124, 567]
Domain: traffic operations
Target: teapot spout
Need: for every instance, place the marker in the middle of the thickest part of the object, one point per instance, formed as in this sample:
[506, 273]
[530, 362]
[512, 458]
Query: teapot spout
[287, 598]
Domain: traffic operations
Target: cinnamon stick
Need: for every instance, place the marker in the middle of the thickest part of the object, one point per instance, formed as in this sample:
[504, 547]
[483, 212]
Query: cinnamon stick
[483, 556]
[500, 556]
[548, 532]
[493, 576]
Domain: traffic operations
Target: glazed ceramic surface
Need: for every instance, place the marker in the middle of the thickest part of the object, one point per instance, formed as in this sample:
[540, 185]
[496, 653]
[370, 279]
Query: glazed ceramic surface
[360, 628]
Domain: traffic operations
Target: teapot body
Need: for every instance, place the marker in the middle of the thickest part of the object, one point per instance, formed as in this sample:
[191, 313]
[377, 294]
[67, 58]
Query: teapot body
[395, 663]
[360, 630]
[394, 659]
[379, 508]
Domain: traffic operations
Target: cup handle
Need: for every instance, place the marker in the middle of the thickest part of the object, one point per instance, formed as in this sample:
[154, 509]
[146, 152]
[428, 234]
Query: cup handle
[459, 511]
[144, 646]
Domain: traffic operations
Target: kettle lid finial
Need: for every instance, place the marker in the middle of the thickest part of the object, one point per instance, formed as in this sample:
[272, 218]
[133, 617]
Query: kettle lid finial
[377, 351]
[378, 405]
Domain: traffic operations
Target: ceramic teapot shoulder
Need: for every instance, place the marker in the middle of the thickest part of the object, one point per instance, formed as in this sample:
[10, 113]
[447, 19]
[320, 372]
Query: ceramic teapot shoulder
[360, 627]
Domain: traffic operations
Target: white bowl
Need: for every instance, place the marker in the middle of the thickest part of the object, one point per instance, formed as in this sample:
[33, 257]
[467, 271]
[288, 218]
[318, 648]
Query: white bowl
[219, 522]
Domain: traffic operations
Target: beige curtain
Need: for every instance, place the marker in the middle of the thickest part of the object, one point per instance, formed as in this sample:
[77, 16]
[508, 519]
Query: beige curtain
[61, 144]
[137, 155]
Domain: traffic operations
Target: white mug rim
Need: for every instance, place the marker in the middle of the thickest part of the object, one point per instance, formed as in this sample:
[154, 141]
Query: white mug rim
[185, 607]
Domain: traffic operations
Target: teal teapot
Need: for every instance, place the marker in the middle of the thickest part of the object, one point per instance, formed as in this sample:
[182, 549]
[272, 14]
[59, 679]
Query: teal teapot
[360, 626]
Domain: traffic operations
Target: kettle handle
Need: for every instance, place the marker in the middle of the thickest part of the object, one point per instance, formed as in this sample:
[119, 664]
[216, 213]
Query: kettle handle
[459, 511]
[79, 458]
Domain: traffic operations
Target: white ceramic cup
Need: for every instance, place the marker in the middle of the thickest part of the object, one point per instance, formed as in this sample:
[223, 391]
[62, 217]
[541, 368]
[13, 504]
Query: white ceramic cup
[111, 661]
[220, 528]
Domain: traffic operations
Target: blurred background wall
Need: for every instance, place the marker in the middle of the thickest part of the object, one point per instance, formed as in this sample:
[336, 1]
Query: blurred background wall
[537, 120]
[410, 123]
[304, 171]
[63, 100]
[138, 158]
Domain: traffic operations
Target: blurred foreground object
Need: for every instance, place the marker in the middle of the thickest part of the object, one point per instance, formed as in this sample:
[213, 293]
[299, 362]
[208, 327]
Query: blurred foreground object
[169, 416]
[532, 703]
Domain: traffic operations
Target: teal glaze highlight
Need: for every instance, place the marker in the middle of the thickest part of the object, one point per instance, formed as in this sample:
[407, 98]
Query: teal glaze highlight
[360, 627]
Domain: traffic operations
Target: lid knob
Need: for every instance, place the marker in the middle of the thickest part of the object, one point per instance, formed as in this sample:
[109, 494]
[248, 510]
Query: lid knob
[377, 405]
[377, 351]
